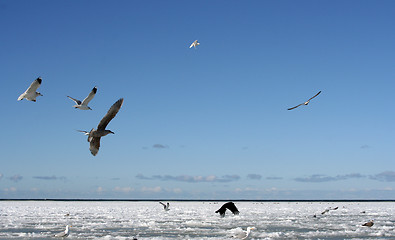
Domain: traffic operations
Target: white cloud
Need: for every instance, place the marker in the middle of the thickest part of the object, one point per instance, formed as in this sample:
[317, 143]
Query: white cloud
[153, 189]
[123, 189]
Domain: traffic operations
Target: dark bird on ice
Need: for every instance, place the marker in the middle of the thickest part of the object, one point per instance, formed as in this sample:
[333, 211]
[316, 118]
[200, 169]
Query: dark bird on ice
[368, 224]
[230, 206]
[95, 134]
[305, 103]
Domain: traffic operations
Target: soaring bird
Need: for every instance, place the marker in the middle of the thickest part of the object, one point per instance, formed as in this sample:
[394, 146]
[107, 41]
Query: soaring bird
[84, 104]
[165, 206]
[95, 135]
[305, 103]
[194, 44]
[244, 234]
[31, 94]
[368, 224]
[229, 205]
[65, 233]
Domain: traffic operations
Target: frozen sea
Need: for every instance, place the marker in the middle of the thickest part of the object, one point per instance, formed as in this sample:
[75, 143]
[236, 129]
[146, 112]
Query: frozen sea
[195, 220]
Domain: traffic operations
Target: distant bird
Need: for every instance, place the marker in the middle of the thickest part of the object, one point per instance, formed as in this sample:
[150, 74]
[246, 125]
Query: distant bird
[31, 94]
[368, 224]
[84, 104]
[165, 206]
[305, 103]
[244, 234]
[325, 211]
[194, 44]
[95, 135]
[65, 233]
[229, 205]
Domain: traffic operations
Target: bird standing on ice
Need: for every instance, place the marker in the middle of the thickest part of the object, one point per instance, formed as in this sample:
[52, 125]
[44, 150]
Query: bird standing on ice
[95, 134]
[84, 104]
[165, 206]
[65, 233]
[244, 234]
[305, 103]
[31, 94]
[194, 44]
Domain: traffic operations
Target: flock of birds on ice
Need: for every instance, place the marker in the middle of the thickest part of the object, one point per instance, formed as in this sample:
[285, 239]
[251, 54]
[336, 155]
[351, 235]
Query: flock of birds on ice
[94, 135]
[243, 234]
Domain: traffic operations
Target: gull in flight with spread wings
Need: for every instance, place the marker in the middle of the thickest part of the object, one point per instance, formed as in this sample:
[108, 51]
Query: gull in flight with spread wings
[84, 104]
[31, 94]
[95, 134]
[194, 44]
[305, 103]
[65, 233]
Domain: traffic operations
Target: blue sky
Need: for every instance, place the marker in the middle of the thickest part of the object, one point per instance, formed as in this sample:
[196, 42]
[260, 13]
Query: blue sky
[202, 123]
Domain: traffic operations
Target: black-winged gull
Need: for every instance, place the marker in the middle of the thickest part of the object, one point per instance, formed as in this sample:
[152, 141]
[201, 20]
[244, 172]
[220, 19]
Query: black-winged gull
[305, 103]
[31, 94]
[84, 104]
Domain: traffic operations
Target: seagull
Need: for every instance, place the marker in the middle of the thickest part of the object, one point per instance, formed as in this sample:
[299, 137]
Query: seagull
[244, 234]
[229, 205]
[65, 233]
[95, 135]
[165, 206]
[368, 224]
[84, 104]
[31, 94]
[305, 103]
[194, 44]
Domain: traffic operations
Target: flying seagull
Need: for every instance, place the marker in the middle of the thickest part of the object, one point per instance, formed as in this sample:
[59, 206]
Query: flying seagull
[368, 224]
[244, 234]
[95, 135]
[65, 233]
[84, 104]
[305, 103]
[31, 94]
[165, 206]
[194, 44]
[229, 205]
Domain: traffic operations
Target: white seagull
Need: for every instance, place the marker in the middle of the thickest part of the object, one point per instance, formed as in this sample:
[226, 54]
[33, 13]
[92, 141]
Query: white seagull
[65, 233]
[84, 104]
[31, 94]
[244, 234]
[305, 103]
[194, 44]
[165, 206]
[95, 135]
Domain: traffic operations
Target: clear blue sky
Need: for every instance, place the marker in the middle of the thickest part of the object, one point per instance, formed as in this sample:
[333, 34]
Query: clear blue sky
[210, 122]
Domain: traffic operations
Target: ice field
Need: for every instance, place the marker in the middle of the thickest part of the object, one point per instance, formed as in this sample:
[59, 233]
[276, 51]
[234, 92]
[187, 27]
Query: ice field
[195, 220]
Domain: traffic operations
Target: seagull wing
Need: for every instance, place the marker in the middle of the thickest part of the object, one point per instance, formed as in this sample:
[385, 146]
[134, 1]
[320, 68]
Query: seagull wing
[94, 145]
[192, 45]
[85, 132]
[110, 114]
[295, 106]
[35, 84]
[314, 96]
[164, 205]
[75, 100]
[90, 96]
